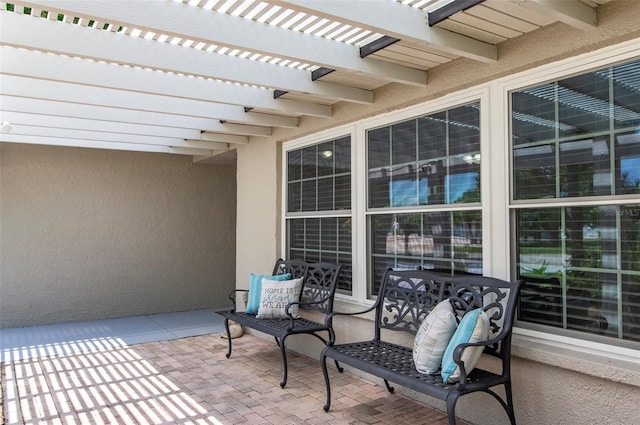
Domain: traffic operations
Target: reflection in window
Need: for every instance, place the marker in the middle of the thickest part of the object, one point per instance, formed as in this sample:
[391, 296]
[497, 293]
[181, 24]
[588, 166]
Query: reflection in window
[419, 163]
[628, 163]
[322, 240]
[574, 260]
[448, 242]
[426, 161]
[319, 177]
[406, 192]
[463, 187]
[579, 138]
[562, 135]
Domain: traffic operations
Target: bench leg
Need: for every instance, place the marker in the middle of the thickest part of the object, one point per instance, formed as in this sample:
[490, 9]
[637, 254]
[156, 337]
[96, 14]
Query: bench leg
[280, 342]
[284, 362]
[389, 387]
[226, 326]
[509, 406]
[452, 399]
[323, 363]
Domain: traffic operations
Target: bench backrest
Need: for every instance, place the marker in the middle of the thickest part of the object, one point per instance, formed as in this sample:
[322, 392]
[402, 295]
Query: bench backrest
[319, 284]
[406, 297]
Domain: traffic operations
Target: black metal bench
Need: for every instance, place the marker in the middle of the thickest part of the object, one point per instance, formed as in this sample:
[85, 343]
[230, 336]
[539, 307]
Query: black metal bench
[319, 286]
[404, 300]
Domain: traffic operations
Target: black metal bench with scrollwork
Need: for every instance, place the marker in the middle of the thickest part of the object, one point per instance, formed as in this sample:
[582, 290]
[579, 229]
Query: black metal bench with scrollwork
[404, 300]
[320, 281]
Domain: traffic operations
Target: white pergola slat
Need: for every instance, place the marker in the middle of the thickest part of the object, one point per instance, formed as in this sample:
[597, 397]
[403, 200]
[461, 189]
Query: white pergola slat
[198, 24]
[50, 36]
[125, 116]
[489, 14]
[570, 12]
[67, 92]
[224, 138]
[75, 133]
[399, 21]
[45, 127]
[71, 123]
[100, 74]
[100, 144]
[514, 9]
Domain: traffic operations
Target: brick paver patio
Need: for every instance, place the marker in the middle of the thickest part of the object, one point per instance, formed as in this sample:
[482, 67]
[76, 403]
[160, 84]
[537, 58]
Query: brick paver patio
[190, 381]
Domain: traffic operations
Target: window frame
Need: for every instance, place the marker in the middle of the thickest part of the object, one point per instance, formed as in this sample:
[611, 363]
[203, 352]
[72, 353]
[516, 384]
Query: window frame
[359, 201]
[448, 103]
[333, 134]
[556, 71]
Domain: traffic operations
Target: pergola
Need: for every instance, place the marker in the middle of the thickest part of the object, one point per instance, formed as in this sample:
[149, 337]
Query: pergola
[200, 77]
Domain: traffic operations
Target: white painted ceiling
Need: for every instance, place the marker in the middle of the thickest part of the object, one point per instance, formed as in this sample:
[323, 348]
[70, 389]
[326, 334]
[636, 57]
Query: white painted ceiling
[200, 77]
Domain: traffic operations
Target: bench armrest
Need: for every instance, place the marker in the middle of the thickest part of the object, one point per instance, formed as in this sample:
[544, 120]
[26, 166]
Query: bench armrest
[232, 296]
[328, 320]
[457, 356]
[287, 309]
[306, 304]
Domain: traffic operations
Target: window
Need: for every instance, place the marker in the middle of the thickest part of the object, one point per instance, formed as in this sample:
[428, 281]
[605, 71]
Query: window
[576, 187]
[420, 172]
[403, 190]
[318, 216]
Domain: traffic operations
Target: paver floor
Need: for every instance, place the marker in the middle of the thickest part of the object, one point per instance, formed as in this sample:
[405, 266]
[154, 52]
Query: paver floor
[190, 381]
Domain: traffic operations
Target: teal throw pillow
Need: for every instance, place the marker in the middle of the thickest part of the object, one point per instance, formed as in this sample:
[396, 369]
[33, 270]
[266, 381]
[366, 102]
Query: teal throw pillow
[473, 327]
[255, 289]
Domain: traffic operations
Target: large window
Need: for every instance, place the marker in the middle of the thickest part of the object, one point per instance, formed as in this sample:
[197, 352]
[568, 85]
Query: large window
[318, 216]
[420, 172]
[560, 205]
[576, 192]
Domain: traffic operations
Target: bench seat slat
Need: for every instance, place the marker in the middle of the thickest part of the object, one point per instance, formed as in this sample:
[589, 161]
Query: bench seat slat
[395, 363]
[275, 327]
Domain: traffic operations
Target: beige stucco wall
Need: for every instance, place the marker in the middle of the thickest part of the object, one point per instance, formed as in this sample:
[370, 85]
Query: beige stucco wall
[548, 387]
[258, 199]
[90, 234]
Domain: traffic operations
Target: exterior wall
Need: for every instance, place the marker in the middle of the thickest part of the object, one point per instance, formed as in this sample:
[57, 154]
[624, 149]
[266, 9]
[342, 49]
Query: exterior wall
[90, 234]
[259, 165]
[553, 383]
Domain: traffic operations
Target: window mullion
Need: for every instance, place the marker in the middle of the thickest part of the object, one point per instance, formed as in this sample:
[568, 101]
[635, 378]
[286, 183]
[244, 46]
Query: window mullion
[556, 138]
[563, 252]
